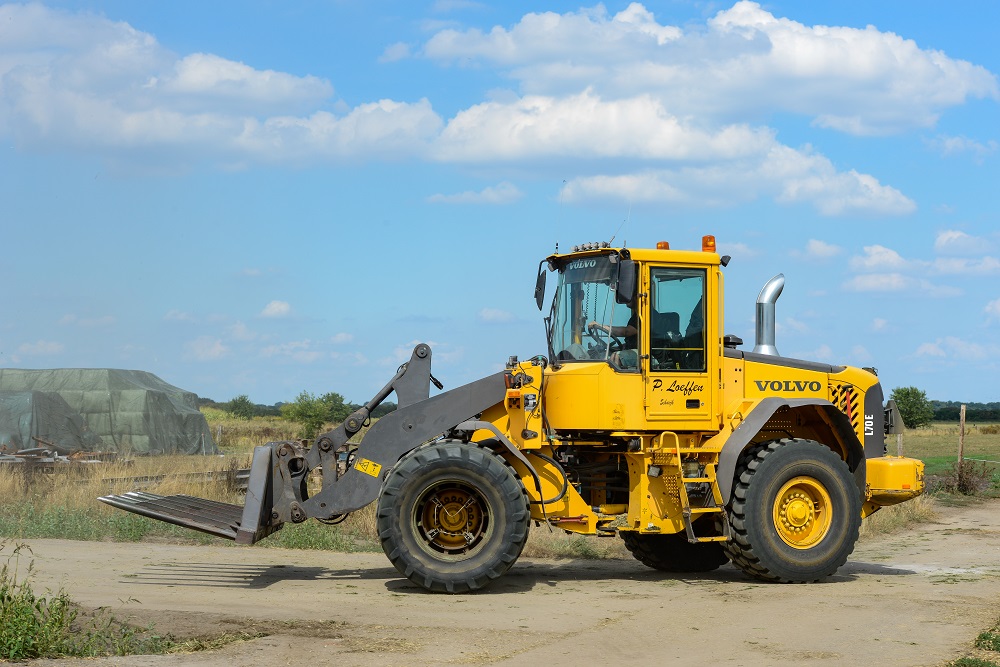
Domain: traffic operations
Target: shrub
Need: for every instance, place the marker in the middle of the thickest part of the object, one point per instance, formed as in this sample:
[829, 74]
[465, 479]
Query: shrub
[312, 412]
[969, 479]
[241, 407]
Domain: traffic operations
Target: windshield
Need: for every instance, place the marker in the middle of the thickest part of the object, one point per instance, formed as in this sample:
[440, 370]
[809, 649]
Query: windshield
[587, 324]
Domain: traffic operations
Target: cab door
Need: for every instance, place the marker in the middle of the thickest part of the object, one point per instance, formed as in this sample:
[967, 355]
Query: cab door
[678, 365]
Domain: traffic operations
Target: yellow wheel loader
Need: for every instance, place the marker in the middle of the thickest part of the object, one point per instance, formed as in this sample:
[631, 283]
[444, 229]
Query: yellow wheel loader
[643, 420]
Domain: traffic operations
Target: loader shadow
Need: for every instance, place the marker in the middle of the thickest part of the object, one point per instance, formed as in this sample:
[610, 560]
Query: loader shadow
[524, 577]
[247, 576]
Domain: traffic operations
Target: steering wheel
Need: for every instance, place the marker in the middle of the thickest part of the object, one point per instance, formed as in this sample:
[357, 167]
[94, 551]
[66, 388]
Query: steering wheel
[614, 342]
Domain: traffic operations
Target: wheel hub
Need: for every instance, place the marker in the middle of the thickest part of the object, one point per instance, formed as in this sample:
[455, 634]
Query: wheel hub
[450, 518]
[802, 512]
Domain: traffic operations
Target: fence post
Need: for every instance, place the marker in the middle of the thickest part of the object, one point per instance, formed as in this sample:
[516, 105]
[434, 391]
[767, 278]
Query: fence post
[961, 439]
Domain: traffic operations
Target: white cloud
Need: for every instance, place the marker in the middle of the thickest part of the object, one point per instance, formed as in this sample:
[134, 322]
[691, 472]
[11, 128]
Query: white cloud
[957, 242]
[965, 266]
[822, 353]
[41, 348]
[226, 84]
[354, 358]
[82, 82]
[787, 175]
[821, 250]
[953, 347]
[860, 354]
[880, 324]
[879, 282]
[736, 249]
[585, 125]
[206, 348]
[949, 145]
[930, 350]
[495, 315]
[502, 193]
[791, 324]
[547, 38]
[242, 332]
[897, 282]
[878, 258]
[744, 61]
[276, 309]
[641, 110]
[992, 309]
[178, 316]
[88, 322]
[341, 338]
[394, 52]
[301, 351]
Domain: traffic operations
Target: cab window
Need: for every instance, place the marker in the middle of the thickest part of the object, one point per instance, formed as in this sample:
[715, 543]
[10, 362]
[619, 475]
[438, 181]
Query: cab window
[677, 319]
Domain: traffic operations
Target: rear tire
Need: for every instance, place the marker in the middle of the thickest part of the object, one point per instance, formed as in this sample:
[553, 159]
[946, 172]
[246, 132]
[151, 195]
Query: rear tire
[452, 517]
[795, 513]
[673, 553]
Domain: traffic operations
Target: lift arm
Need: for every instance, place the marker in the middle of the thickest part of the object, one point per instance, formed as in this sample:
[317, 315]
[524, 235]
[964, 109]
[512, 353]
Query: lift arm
[277, 491]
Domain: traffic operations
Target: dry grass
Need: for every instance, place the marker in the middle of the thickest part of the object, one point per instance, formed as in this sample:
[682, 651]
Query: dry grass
[240, 436]
[921, 509]
[557, 543]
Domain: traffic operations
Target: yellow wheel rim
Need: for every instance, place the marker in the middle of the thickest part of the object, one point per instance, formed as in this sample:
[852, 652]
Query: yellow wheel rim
[802, 512]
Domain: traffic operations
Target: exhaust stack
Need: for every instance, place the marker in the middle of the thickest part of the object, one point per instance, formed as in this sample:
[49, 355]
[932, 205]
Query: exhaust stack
[765, 315]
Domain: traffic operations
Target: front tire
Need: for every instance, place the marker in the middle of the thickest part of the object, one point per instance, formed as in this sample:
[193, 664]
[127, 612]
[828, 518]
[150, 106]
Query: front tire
[796, 512]
[673, 553]
[452, 517]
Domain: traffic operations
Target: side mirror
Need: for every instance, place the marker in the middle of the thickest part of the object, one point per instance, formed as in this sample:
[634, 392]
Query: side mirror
[540, 286]
[625, 290]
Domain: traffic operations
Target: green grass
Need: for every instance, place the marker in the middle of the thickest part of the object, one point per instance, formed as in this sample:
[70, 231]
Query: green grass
[937, 445]
[989, 640]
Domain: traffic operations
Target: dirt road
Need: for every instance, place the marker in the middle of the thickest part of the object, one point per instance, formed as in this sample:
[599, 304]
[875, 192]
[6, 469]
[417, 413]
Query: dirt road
[914, 598]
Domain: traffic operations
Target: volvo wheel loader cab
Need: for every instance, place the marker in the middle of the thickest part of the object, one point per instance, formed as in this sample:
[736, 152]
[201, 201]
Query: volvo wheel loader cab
[643, 420]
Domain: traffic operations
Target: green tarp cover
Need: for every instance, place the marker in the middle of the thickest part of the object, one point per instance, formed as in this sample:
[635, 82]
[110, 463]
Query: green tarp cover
[130, 411]
[30, 419]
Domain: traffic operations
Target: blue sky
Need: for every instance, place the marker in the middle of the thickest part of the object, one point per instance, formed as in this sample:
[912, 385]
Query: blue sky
[262, 198]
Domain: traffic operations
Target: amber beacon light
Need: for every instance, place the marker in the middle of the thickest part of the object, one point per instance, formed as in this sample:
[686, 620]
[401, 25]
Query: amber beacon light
[662, 245]
[708, 243]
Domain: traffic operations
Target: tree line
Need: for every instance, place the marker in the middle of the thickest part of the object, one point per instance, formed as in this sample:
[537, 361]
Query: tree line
[916, 410]
[948, 411]
[309, 410]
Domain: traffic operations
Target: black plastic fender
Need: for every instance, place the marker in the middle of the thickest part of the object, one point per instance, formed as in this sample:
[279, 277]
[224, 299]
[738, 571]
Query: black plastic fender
[762, 412]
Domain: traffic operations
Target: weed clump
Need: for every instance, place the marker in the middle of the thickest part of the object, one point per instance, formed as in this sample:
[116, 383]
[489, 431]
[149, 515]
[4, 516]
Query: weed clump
[989, 640]
[971, 478]
[51, 626]
[37, 626]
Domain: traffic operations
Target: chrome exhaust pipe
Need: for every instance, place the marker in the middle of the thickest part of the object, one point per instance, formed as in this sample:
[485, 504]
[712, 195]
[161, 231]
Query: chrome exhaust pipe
[765, 315]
